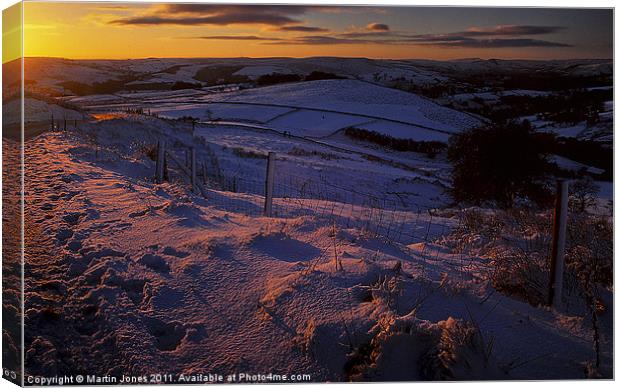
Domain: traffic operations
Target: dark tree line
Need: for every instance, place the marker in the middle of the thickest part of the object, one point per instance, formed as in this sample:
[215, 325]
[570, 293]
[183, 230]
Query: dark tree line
[430, 148]
[279, 78]
[569, 107]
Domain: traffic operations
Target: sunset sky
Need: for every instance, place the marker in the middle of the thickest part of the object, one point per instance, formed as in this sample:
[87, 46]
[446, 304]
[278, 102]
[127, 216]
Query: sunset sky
[116, 30]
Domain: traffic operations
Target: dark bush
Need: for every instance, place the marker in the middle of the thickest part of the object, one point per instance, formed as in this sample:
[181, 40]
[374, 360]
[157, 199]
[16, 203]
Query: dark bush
[180, 85]
[499, 163]
[220, 75]
[430, 148]
[319, 75]
[277, 78]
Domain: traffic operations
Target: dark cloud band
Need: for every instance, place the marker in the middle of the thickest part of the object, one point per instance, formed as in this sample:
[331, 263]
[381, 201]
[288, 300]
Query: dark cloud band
[233, 37]
[303, 29]
[222, 20]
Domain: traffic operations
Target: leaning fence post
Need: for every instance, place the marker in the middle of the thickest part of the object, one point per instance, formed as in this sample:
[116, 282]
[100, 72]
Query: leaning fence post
[204, 172]
[161, 152]
[556, 274]
[193, 168]
[271, 163]
[157, 161]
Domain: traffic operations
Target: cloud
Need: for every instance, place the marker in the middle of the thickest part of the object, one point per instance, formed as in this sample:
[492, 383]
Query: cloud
[495, 31]
[216, 14]
[496, 43]
[435, 41]
[378, 27]
[221, 20]
[372, 34]
[511, 30]
[194, 14]
[208, 9]
[492, 37]
[476, 37]
[287, 18]
[321, 40]
[303, 29]
[233, 37]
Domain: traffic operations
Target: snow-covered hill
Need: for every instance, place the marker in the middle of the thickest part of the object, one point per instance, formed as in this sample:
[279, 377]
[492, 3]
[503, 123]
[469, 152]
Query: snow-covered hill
[50, 73]
[189, 284]
[356, 97]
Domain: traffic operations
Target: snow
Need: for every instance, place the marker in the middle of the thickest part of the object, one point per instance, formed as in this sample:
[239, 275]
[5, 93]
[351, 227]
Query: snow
[202, 286]
[36, 111]
[217, 111]
[135, 277]
[313, 123]
[355, 97]
[566, 131]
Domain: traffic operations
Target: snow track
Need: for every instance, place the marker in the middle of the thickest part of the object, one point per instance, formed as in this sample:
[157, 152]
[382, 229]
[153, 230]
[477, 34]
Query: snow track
[129, 277]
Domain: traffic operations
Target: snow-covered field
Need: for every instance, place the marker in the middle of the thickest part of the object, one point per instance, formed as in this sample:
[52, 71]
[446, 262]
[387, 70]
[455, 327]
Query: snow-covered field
[359, 274]
[311, 109]
[136, 277]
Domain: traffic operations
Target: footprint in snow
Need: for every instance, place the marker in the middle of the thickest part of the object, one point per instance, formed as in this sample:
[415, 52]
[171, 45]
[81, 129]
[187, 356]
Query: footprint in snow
[170, 251]
[168, 336]
[155, 262]
[73, 218]
[63, 234]
[47, 206]
[71, 178]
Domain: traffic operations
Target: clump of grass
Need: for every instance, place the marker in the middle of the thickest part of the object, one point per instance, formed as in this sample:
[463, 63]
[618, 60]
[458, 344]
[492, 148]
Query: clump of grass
[453, 349]
[246, 153]
[150, 151]
[518, 246]
[298, 151]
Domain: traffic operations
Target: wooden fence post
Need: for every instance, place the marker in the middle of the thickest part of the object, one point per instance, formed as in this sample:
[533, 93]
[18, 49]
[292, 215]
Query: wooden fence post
[204, 173]
[193, 168]
[271, 164]
[157, 161]
[556, 270]
[165, 166]
[161, 155]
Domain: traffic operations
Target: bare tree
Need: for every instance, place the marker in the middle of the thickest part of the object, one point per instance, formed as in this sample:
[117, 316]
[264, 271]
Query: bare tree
[583, 194]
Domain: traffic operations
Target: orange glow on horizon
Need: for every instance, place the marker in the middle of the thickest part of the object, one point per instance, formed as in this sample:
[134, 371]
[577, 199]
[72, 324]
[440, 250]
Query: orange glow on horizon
[89, 31]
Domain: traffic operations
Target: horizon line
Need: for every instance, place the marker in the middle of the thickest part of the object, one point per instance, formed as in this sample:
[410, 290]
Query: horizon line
[319, 56]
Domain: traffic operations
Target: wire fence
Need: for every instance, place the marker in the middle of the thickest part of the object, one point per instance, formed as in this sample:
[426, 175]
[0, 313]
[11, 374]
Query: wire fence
[381, 215]
[235, 188]
[236, 180]
[521, 241]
